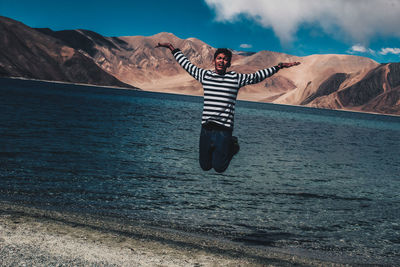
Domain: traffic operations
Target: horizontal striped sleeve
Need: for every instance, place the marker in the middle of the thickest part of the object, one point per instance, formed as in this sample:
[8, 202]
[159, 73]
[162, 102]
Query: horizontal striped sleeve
[196, 72]
[259, 76]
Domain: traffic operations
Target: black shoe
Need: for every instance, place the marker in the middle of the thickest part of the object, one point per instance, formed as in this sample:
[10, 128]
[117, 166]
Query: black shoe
[235, 144]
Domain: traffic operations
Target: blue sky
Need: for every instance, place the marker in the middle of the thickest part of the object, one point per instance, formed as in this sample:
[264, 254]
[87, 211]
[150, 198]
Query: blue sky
[298, 27]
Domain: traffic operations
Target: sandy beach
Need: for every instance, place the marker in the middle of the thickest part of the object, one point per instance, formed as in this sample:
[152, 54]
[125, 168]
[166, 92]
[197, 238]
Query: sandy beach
[33, 237]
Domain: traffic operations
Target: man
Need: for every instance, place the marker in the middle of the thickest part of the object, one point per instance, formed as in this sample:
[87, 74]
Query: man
[217, 145]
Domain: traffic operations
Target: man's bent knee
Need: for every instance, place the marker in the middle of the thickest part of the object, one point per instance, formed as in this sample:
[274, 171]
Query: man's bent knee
[205, 165]
[221, 168]
[205, 168]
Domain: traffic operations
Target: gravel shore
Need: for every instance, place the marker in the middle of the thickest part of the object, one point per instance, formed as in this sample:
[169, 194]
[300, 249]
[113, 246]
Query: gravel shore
[34, 237]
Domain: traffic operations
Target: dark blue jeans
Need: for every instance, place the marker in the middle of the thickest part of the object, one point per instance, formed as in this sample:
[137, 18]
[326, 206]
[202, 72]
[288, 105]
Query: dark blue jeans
[216, 149]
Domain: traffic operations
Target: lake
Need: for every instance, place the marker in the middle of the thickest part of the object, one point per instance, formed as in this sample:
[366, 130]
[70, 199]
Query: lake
[305, 180]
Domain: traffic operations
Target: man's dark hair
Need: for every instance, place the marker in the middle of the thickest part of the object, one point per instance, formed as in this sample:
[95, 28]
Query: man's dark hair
[224, 51]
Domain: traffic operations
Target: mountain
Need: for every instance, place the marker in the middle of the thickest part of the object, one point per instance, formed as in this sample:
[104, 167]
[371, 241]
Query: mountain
[377, 90]
[26, 52]
[325, 81]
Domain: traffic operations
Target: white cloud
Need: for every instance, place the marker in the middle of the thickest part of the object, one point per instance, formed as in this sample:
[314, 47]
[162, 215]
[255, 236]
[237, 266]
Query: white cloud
[360, 49]
[246, 46]
[385, 51]
[356, 49]
[354, 19]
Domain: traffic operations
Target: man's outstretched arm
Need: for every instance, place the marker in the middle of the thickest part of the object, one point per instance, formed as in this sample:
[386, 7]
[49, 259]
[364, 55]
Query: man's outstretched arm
[259, 76]
[193, 70]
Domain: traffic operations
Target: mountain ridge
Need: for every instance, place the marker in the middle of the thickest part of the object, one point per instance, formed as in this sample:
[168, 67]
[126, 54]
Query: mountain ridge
[29, 53]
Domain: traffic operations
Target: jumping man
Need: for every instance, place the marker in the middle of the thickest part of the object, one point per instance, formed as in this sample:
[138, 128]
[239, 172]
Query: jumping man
[217, 145]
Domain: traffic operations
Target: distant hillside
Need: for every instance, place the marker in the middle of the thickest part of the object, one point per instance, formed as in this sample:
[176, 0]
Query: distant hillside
[325, 81]
[26, 52]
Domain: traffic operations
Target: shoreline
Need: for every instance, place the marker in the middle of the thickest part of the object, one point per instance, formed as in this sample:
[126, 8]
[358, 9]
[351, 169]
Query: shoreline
[31, 236]
[71, 83]
[174, 93]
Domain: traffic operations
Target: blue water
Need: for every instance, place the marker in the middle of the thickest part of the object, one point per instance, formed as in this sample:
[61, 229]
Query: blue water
[312, 180]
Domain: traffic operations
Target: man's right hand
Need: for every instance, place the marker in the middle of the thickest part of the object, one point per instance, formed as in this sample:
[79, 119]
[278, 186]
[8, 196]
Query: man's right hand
[166, 45]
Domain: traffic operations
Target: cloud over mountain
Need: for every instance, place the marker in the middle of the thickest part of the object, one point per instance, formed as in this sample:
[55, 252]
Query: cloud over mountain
[246, 46]
[355, 20]
[389, 50]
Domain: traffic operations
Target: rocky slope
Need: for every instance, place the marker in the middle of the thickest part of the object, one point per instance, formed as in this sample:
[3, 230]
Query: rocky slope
[325, 81]
[25, 52]
[378, 91]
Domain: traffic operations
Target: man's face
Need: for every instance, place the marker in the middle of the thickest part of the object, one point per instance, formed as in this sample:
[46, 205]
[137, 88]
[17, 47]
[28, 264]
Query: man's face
[221, 63]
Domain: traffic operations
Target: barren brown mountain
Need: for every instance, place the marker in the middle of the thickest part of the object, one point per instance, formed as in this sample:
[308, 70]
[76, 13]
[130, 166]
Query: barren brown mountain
[325, 81]
[25, 52]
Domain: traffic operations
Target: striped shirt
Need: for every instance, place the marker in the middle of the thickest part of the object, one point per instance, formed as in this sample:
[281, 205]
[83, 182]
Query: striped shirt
[220, 91]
